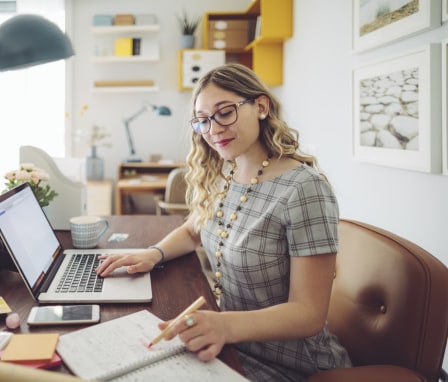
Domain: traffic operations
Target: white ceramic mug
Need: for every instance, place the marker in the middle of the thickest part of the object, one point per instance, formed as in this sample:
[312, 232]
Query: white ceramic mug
[87, 230]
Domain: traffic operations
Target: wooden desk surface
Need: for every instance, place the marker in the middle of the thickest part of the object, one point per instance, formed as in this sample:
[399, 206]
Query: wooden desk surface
[175, 285]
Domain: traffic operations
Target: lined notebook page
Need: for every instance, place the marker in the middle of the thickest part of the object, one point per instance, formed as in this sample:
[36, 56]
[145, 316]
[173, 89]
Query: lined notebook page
[115, 347]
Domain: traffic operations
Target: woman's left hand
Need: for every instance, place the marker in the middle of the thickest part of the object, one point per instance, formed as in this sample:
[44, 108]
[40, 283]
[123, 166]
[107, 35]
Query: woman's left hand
[203, 332]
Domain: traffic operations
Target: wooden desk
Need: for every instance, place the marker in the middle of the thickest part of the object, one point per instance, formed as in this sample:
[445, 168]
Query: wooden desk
[141, 177]
[176, 285]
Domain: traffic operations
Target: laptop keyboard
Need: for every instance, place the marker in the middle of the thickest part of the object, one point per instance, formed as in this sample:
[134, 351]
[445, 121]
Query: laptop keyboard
[80, 275]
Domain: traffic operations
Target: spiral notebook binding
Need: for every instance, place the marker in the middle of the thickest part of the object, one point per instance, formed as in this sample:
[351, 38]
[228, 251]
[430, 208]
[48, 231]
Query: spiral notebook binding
[140, 363]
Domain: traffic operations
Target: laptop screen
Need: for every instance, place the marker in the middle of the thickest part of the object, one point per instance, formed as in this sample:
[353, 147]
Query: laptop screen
[27, 233]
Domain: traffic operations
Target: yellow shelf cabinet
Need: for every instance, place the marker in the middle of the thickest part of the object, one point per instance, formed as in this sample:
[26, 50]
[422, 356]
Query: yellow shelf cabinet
[269, 24]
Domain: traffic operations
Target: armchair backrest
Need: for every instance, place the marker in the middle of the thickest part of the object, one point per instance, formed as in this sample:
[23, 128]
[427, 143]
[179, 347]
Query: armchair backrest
[174, 199]
[72, 198]
[176, 186]
[389, 302]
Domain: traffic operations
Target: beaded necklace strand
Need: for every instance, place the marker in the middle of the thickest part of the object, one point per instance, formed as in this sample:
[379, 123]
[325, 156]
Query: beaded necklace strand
[224, 228]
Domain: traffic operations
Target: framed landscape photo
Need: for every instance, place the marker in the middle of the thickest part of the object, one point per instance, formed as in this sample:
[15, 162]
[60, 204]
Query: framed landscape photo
[444, 106]
[397, 111]
[378, 22]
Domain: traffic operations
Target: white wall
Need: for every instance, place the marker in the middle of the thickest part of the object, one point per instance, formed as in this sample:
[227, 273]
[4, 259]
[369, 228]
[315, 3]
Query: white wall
[317, 99]
[152, 134]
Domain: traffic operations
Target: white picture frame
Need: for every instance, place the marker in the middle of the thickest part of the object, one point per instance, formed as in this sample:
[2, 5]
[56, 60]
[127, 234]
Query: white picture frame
[397, 111]
[444, 10]
[445, 106]
[372, 28]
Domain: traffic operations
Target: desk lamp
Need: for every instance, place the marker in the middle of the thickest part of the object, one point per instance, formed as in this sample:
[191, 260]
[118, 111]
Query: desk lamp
[28, 40]
[159, 110]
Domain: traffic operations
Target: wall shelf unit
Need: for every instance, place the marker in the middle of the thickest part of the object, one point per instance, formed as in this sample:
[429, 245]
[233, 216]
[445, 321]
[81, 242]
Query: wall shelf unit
[107, 53]
[259, 43]
[122, 60]
[125, 89]
[117, 29]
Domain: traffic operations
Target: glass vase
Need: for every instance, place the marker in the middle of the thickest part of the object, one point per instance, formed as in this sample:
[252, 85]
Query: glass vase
[95, 166]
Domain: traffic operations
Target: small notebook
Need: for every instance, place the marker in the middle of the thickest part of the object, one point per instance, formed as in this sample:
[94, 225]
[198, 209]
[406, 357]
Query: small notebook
[117, 351]
[31, 347]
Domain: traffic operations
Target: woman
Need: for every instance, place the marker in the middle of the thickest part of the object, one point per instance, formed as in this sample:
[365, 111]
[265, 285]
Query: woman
[267, 220]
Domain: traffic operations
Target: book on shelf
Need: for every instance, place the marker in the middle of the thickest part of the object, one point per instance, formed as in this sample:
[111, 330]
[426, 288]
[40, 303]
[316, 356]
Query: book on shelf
[123, 47]
[117, 350]
[136, 44]
[114, 83]
[257, 28]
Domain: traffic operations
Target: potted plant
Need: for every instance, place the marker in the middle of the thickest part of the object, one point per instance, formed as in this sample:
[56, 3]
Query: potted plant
[36, 177]
[188, 27]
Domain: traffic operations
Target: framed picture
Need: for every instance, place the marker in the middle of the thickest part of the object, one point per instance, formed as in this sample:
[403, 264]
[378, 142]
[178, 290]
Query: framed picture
[444, 106]
[444, 10]
[397, 111]
[377, 23]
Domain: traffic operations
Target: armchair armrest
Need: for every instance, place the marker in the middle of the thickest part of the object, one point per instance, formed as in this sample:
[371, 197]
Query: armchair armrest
[373, 373]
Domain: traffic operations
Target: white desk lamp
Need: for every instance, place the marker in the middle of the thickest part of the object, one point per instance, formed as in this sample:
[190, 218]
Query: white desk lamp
[159, 110]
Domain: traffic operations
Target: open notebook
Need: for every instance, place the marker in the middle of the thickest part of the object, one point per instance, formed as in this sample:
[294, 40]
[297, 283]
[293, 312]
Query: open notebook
[117, 351]
[49, 272]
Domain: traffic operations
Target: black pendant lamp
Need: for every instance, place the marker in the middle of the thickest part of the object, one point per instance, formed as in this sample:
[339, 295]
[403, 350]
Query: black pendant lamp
[28, 40]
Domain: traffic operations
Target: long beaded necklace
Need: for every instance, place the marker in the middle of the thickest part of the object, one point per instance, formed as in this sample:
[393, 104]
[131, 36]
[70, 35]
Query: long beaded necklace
[224, 228]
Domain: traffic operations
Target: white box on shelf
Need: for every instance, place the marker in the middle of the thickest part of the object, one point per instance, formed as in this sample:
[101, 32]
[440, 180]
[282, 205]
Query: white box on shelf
[197, 62]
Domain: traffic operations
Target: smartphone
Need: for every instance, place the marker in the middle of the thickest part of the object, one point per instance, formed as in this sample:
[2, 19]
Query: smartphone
[63, 314]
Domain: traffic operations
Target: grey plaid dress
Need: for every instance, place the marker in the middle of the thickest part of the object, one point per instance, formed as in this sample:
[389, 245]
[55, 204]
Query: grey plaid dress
[294, 214]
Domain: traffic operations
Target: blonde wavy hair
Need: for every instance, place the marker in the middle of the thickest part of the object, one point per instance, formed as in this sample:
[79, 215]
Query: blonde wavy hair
[205, 174]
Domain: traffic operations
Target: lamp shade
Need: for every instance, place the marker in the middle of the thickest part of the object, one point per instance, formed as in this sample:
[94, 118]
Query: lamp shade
[162, 110]
[28, 40]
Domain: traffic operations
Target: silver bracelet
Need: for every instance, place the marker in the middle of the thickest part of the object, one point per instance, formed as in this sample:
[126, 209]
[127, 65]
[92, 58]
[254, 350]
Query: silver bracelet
[161, 252]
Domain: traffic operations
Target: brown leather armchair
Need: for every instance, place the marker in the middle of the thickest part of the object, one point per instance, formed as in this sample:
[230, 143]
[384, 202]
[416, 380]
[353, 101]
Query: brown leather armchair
[389, 308]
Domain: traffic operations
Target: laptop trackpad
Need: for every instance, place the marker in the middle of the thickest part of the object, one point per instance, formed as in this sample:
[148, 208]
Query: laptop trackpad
[122, 285]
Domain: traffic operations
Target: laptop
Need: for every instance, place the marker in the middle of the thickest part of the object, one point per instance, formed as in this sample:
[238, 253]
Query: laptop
[45, 266]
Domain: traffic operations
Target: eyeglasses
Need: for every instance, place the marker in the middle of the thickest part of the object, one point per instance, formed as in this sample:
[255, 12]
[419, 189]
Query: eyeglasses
[223, 117]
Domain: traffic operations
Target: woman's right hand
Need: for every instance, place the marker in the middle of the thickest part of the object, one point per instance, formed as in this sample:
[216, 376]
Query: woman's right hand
[135, 262]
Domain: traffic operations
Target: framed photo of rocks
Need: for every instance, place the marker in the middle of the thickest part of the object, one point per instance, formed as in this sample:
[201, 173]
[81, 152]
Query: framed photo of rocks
[397, 111]
[376, 23]
[444, 10]
[445, 106]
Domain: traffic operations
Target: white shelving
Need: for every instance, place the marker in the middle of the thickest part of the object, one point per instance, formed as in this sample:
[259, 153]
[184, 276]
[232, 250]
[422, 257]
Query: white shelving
[119, 29]
[104, 54]
[125, 89]
[123, 60]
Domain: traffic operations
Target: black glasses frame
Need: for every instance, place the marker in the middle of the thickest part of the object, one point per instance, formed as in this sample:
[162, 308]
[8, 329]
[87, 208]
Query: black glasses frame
[196, 122]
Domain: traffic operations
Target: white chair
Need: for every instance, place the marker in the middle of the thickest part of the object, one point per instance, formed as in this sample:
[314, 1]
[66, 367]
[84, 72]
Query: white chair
[174, 200]
[72, 194]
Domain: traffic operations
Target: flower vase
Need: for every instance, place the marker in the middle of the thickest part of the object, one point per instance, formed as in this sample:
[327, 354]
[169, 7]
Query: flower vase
[187, 41]
[95, 166]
